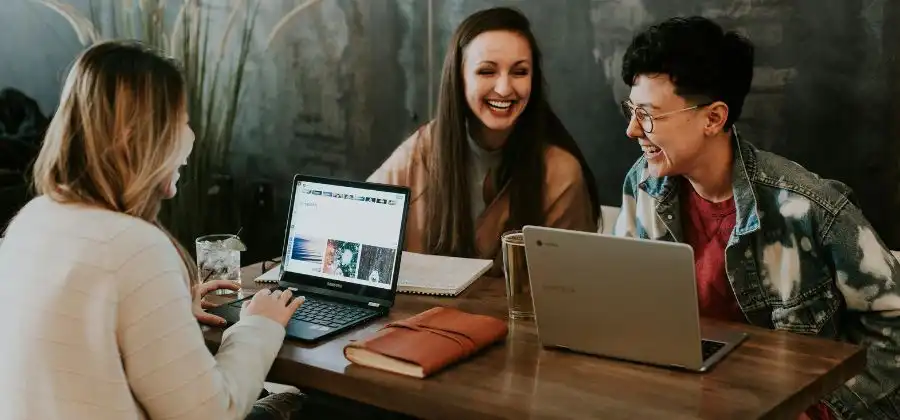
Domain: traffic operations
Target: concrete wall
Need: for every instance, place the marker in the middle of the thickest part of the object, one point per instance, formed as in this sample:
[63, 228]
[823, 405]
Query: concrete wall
[351, 79]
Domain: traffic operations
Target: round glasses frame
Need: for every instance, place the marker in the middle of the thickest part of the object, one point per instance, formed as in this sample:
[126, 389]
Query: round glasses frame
[645, 119]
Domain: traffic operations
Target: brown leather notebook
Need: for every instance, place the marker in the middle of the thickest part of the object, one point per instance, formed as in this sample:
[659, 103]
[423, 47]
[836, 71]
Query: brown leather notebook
[426, 343]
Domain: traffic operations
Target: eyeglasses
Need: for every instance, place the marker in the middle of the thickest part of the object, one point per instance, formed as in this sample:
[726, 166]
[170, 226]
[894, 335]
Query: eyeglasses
[645, 119]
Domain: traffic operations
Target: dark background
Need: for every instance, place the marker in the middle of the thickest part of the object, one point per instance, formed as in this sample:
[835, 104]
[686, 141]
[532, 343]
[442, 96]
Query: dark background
[351, 79]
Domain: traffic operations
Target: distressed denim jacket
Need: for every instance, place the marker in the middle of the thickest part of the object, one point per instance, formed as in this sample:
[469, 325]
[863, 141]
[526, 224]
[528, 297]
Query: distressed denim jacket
[801, 258]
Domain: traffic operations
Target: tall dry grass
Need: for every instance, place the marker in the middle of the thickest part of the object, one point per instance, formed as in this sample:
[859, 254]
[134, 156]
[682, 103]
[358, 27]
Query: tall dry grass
[214, 69]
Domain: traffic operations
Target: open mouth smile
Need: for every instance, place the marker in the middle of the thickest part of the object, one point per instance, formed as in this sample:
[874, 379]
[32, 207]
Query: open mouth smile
[651, 151]
[500, 105]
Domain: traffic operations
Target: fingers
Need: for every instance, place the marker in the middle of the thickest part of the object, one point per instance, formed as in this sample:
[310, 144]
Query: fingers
[202, 290]
[223, 284]
[295, 304]
[285, 297]
[210, 319]
[211, 285]
[207, 305]
[282, 296]
[262, 293]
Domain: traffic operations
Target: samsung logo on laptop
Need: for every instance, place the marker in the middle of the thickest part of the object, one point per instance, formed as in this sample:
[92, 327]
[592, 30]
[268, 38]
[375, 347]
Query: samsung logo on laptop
[338, 285]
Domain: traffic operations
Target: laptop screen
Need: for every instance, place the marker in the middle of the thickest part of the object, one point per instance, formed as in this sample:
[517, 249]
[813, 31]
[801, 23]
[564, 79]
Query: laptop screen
[348, 236]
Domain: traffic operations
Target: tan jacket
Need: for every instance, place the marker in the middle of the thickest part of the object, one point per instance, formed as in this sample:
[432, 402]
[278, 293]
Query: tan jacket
[567, 203]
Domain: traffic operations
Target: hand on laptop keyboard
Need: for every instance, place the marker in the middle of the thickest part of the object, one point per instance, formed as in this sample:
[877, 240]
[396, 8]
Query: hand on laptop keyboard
[276, 305]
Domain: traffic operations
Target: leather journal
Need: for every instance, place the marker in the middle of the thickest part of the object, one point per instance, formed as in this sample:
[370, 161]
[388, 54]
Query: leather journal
[426, 343]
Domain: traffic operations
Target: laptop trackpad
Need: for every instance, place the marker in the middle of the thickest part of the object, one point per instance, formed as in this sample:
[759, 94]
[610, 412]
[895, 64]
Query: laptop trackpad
[305, 330]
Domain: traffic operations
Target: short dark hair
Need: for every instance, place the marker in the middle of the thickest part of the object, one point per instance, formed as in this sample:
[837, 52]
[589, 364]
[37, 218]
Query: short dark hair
[704, 62]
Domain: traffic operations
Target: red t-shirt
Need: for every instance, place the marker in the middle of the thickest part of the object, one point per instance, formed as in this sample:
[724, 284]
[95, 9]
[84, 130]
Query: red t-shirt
[707, 227]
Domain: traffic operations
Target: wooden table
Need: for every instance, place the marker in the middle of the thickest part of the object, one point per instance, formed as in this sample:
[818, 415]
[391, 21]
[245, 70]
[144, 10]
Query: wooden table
[772, 375]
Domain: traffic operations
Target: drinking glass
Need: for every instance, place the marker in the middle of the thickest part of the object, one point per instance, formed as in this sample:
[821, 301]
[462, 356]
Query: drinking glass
[219, 259]
[515, 270]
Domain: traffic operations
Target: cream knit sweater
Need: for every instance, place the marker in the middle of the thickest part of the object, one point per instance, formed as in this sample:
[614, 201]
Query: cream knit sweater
[98, 325]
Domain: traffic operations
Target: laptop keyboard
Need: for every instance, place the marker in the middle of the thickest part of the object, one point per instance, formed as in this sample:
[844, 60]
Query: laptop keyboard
[710, 348]
[327, 313]
[330, 314]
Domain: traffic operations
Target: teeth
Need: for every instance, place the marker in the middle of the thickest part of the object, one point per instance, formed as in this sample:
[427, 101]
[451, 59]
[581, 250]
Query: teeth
[649, 149]
[500, 104]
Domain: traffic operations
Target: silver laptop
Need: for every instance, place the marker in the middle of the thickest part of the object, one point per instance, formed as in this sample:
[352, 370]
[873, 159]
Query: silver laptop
[624, 298]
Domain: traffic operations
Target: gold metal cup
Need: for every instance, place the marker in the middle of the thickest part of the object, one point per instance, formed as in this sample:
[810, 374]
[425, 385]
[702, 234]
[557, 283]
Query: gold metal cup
[515, 269]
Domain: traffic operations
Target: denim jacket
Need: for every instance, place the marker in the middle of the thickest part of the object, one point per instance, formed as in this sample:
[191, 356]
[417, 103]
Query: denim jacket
[801, 258]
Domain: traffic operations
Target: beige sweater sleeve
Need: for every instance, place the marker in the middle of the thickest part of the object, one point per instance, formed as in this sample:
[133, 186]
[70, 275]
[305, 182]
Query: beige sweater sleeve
[394, 170]
[168, 366]
[398, 168]
[567, 201]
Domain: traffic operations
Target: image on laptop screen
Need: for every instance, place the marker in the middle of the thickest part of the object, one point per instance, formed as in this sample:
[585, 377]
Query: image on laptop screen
[345, 234]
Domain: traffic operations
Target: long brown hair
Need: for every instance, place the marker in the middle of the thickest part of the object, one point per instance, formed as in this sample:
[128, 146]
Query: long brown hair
[448, 212]
[114, 140]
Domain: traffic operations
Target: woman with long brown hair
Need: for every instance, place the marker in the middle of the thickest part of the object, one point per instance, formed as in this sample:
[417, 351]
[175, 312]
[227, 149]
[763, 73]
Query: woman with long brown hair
[495, 157]
[99, 317]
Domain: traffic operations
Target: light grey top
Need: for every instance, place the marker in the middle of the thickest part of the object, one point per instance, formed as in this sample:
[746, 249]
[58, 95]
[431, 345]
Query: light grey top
[481, 161]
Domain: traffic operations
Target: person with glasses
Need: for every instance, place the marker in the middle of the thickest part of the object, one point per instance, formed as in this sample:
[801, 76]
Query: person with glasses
[775, 245]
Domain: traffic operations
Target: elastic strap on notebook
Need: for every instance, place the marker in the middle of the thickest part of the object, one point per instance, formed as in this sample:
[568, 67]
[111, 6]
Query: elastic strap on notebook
[468, 345]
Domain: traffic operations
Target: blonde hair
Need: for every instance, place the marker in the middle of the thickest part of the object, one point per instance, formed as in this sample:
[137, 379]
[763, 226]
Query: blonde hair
[114, 140]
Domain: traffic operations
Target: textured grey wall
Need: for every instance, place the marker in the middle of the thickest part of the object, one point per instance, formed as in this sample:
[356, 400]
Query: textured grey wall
[351, 79]
[36, 47]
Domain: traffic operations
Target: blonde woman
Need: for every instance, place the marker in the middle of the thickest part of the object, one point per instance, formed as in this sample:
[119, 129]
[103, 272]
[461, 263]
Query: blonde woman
[97, 306]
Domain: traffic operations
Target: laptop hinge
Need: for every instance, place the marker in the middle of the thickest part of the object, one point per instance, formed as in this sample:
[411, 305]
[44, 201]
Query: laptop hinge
[373, 304]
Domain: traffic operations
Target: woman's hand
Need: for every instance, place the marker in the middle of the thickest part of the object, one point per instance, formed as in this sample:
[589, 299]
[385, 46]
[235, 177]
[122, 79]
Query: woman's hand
[276, 305]
[199, 304]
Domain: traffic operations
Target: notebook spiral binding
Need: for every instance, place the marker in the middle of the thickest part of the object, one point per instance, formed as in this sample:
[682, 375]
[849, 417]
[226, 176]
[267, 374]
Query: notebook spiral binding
[269, 275]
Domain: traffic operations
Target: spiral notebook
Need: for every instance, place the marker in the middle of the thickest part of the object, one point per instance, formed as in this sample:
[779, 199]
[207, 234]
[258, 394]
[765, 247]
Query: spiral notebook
[437, 275]
[271, 276]
[424, 274]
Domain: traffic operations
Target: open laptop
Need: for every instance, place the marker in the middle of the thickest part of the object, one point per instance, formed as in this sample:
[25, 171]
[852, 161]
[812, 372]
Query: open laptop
[624, 298]
[342, 247]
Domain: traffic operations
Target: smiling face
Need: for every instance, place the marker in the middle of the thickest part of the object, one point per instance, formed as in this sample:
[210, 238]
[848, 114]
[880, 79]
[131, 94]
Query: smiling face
[675, 145]
[497, 75]
[186, 145]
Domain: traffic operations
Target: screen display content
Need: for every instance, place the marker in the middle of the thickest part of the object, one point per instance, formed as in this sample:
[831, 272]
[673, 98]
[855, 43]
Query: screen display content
[344, 234]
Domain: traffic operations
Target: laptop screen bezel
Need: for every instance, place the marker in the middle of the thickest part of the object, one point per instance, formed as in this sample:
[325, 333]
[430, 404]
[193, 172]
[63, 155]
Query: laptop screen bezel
[345, 290]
